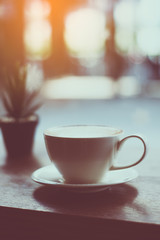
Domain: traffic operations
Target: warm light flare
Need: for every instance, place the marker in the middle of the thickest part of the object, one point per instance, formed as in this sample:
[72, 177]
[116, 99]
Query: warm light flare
[124, 14]
[37, 39]
[79, 87]
[148, 13]
[137, 26]
[37, 9]
[85, 32]
[38, 30]
[149, 41]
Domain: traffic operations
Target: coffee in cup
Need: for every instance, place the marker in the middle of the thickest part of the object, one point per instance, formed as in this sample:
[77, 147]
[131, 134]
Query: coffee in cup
[84, 153]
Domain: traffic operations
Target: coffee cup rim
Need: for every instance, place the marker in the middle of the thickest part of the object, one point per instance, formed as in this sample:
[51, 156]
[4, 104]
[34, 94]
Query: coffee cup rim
[117, 131]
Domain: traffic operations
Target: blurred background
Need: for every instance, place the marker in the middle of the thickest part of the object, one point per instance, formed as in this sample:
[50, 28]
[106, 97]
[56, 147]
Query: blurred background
[84, 49]
[87, 50]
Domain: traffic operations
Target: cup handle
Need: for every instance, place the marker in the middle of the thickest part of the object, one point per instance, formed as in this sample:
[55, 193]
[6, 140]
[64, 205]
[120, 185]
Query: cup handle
[133, 164]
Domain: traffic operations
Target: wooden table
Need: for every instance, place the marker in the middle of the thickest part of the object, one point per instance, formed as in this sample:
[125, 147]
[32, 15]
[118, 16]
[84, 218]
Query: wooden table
[127, 211]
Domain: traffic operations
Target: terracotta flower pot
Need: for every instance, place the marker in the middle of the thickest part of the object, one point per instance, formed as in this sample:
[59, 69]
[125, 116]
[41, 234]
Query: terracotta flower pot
[18, 135]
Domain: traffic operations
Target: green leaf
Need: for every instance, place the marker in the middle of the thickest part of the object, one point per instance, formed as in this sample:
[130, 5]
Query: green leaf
[17, 101]
[7, 104]
[32, 109]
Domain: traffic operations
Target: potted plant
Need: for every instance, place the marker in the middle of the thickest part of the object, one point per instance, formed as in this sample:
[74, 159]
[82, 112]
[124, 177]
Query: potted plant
[19, 123]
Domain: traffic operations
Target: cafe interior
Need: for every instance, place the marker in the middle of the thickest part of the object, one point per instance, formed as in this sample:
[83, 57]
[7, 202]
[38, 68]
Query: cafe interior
[92, 62]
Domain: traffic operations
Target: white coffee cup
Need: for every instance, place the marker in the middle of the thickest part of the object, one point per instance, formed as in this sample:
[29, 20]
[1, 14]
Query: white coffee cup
[84, 153]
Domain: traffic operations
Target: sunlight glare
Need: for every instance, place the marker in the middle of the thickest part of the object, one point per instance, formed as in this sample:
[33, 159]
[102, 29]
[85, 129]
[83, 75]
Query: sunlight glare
[148, 13]
[124, 14]
[38, 30]
[37, 9]
[79, 87]
[127, 45]
[128, 86]
[149, 41]
[85, 32]
[37, 39]
[148, 36]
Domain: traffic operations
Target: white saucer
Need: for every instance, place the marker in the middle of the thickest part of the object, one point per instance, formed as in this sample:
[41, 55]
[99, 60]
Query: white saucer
[50, 176]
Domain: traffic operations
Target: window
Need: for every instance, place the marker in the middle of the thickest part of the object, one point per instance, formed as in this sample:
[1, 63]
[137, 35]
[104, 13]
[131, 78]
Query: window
[116, 40]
